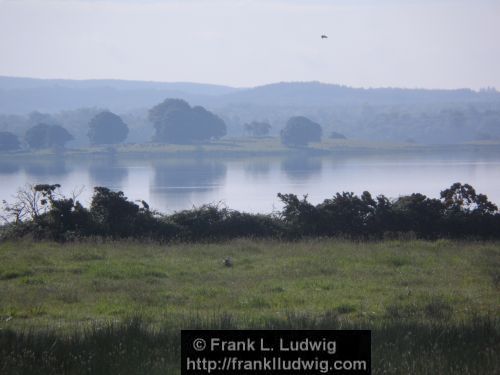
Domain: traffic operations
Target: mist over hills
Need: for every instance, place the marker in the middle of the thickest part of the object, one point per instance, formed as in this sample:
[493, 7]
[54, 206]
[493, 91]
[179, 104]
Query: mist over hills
[188, 87]
[319, 94]
[22, 95]
[392, 114]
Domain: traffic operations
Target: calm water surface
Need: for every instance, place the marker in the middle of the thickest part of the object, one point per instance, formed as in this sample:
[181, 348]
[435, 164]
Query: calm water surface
[251, 184]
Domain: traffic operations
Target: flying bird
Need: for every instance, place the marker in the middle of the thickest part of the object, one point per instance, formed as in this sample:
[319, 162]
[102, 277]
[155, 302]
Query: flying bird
[324, 36]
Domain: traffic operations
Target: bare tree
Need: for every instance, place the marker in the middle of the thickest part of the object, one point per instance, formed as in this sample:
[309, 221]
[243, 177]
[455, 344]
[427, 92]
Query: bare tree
[30, 202]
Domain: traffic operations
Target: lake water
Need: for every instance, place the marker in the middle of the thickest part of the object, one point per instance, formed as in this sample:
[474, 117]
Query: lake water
[251, 184]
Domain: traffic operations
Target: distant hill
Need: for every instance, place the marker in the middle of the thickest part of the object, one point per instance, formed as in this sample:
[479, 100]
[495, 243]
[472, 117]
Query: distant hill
[320, 94]
[22, 95]
[7, 83]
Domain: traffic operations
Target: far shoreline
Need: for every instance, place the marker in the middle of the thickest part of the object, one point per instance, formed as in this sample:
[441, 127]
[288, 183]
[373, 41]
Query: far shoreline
[257, 147]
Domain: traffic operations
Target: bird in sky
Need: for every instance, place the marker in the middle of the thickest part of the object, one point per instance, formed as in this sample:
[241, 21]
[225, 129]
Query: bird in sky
[324, 36]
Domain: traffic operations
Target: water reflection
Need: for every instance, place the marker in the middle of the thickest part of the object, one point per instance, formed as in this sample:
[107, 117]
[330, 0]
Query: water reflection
[251, 184]
[107, 172]
[301, 169]
[180, 183]
[258, 168]
[46, 168]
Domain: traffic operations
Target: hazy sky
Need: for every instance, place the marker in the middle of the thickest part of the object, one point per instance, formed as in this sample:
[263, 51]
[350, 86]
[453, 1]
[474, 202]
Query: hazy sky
[432, 44]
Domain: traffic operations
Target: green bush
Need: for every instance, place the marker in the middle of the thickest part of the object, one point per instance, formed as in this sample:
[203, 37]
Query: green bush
[460, 213]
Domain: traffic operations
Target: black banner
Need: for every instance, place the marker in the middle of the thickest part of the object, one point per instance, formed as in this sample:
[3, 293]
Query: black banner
[259, 352]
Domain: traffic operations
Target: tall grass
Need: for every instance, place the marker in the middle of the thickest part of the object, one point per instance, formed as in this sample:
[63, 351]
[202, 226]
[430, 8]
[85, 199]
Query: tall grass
[132, 347]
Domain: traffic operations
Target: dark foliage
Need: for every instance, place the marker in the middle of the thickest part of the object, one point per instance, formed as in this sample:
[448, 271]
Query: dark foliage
[299, 131]
[47, 136]
[113, 213]
[460, 213]
[299, 216]
[175, 121]
[257, 129]
[63, 219]
[107, 128]
[114, 216]
[8, 142]
[211, 222]
[468, 213]
[419, 214]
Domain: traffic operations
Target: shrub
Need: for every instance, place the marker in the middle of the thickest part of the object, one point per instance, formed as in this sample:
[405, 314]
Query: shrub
[42, 212]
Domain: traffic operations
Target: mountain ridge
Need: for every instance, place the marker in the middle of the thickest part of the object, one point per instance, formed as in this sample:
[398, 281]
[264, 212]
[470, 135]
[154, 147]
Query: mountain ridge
[22, 95]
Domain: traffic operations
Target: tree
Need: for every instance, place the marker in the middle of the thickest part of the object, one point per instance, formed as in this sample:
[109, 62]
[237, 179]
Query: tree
[76, 121]
[113, 212]
[46, 136]
[299, 131]
[29, 205]
[35, 118]
[336, 135]
[175, 121]
[463, 197]
[300, 215]
[420, 214]
[107, 128]
[346, 213]
[257, 129]
[8, 142]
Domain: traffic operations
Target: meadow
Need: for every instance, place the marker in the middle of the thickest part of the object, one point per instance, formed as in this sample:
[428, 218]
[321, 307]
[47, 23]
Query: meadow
[429, 304]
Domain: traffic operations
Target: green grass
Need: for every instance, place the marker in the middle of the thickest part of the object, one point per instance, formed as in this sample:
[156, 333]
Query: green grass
[48, 284]
[436, 300]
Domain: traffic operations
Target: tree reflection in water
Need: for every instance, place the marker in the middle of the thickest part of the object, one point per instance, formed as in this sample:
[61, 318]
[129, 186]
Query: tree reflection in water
[301, 169]
[179, 183]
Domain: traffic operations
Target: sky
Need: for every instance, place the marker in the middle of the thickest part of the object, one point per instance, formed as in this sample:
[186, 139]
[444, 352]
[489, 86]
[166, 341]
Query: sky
[245, 43]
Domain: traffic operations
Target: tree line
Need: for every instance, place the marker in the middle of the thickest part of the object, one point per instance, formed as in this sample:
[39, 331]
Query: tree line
[174, 121]
[41, 212]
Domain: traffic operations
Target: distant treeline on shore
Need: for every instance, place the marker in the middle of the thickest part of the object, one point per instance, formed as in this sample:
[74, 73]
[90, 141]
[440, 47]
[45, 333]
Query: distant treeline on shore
[41, 212]
[46, 114]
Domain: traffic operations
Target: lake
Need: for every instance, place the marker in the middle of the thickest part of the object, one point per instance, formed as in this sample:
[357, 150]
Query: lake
[251, 184]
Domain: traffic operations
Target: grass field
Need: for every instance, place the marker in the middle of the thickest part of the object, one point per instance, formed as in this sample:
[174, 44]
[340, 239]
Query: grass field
[411, 293]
